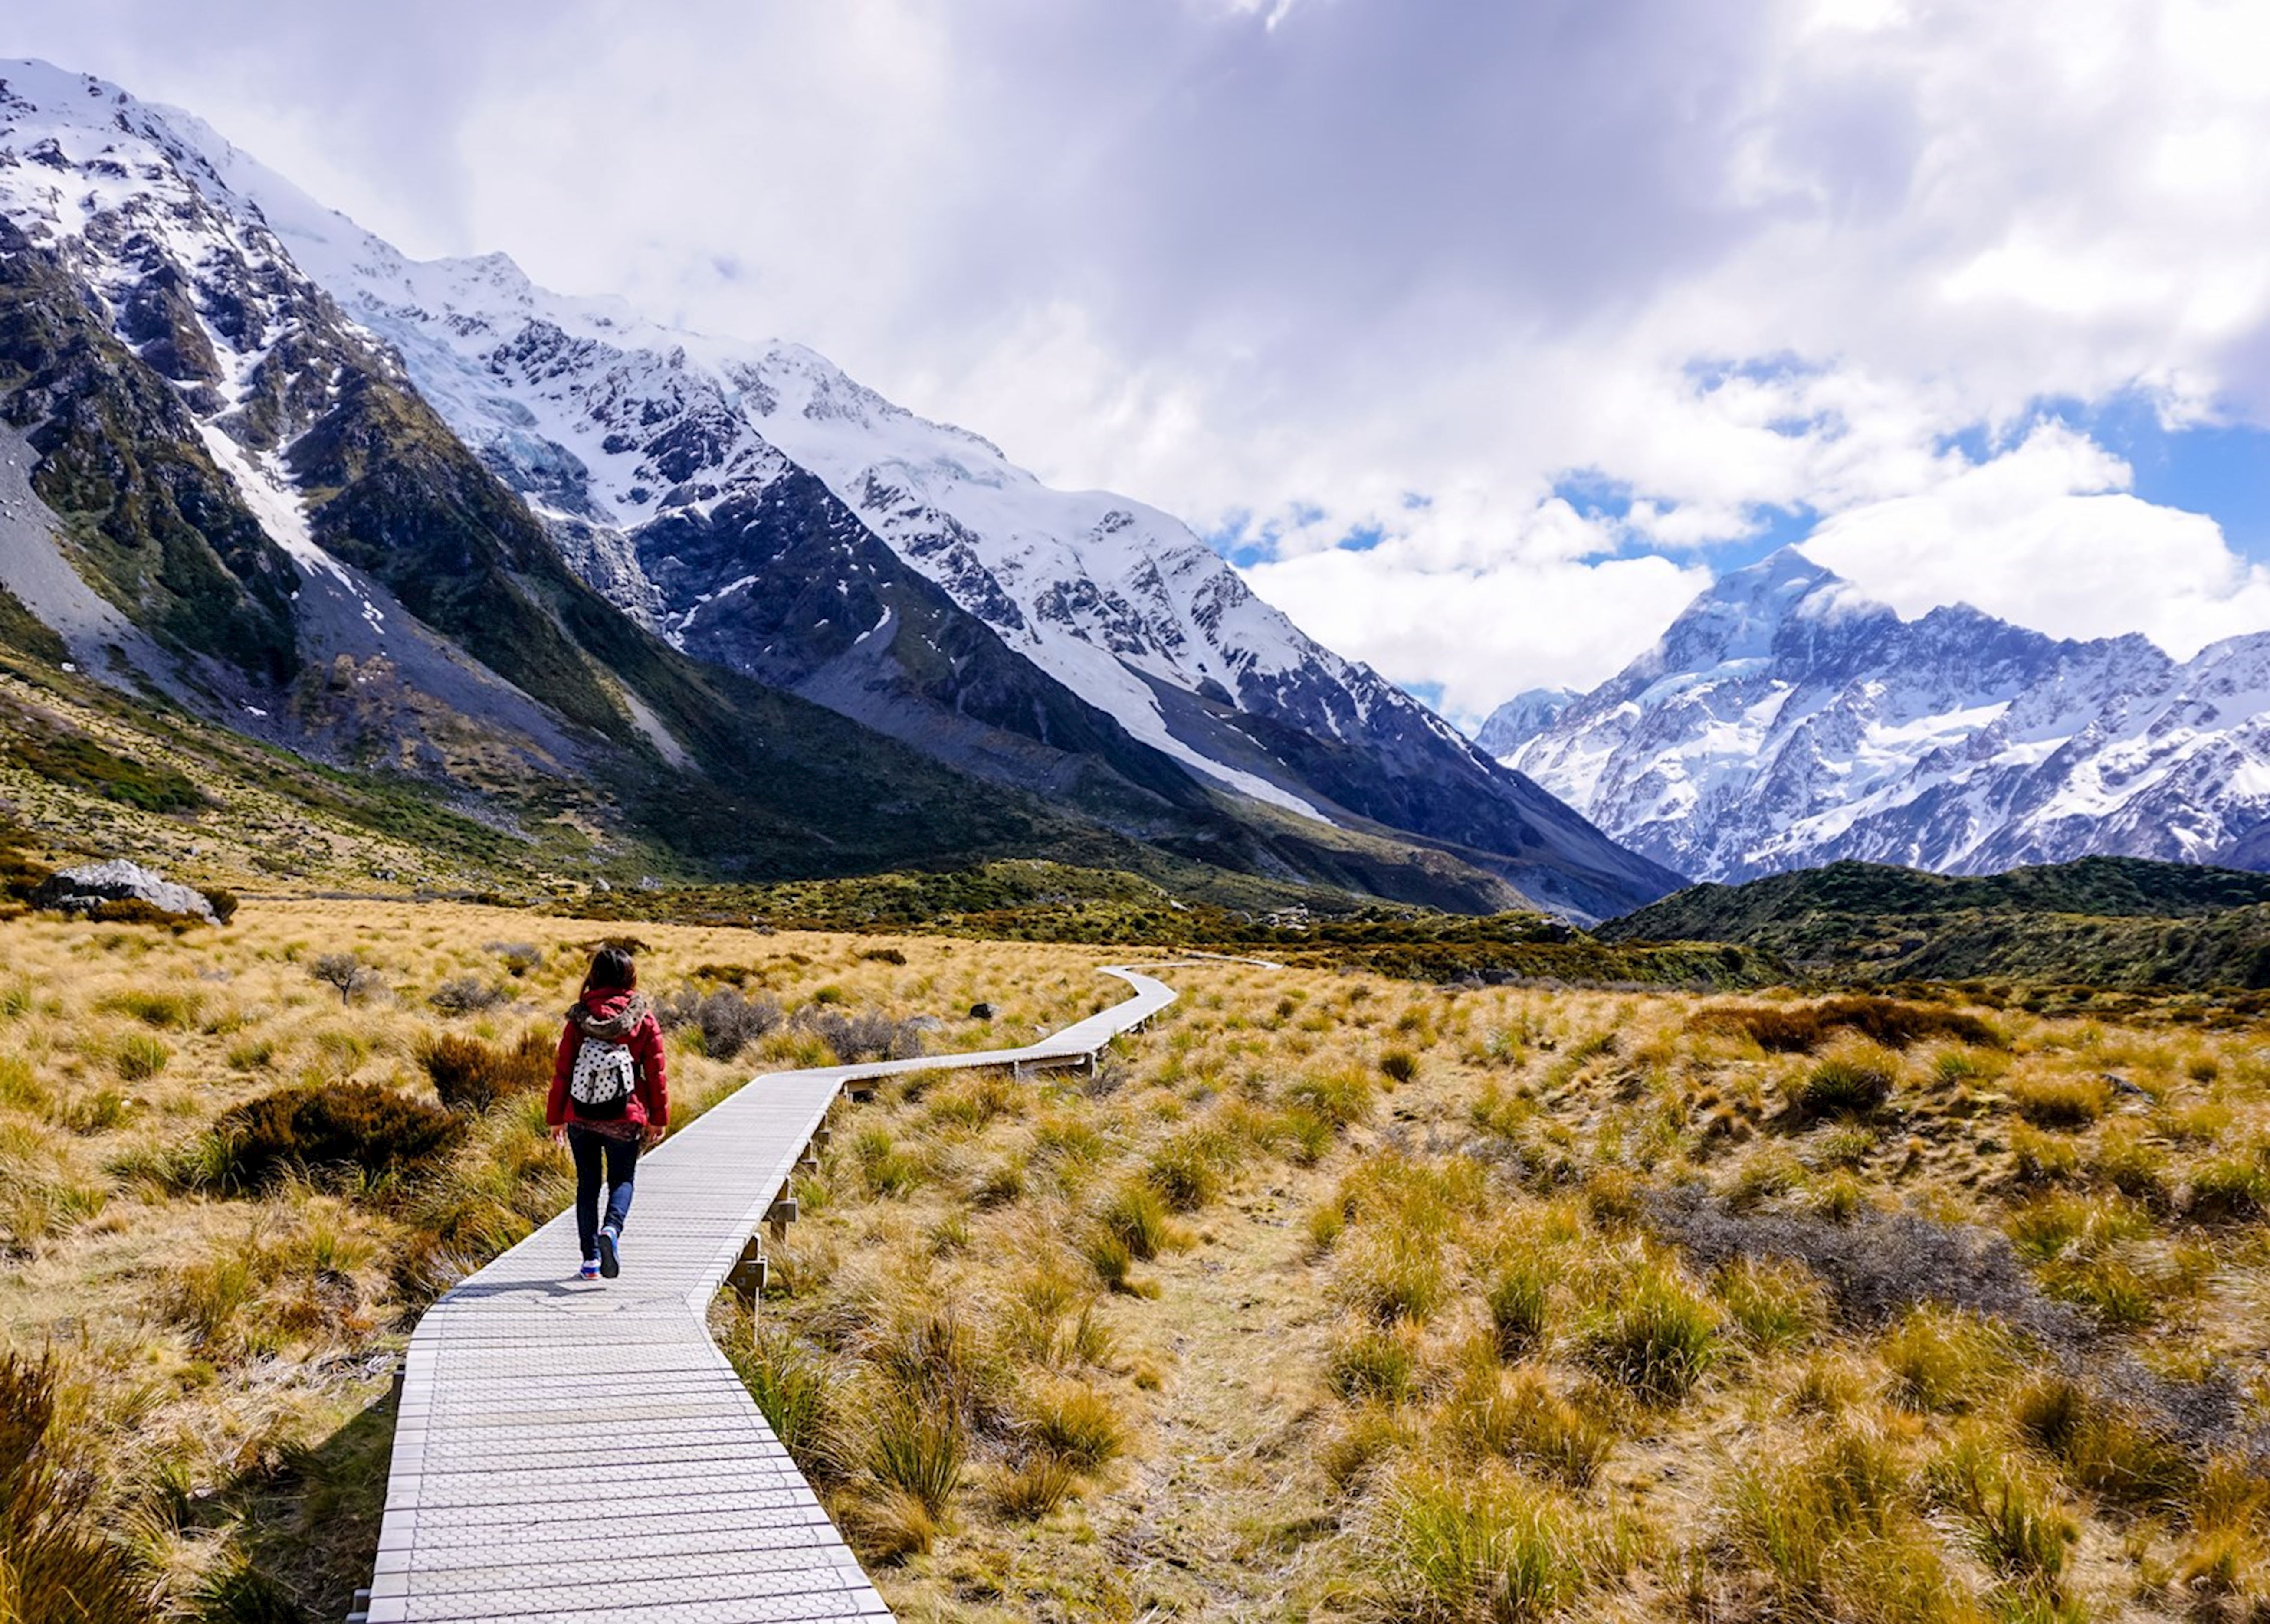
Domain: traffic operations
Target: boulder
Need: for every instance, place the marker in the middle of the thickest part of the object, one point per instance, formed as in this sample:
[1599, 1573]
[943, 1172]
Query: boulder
[981, 1012]
[83, 889]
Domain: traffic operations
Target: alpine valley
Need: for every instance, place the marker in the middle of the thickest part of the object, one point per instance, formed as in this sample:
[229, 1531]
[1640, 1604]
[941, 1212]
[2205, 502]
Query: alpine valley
[1785, 721]
[698, 602]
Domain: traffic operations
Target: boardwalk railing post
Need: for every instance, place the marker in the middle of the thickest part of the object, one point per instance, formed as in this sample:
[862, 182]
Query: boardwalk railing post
[750, 1274]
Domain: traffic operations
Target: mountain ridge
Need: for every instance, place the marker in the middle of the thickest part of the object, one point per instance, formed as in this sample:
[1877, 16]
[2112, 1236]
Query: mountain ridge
[375, 493]
[1784, 720]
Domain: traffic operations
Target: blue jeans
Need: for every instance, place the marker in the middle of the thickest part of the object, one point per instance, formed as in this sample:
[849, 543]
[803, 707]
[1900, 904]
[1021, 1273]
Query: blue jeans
[620, 1159]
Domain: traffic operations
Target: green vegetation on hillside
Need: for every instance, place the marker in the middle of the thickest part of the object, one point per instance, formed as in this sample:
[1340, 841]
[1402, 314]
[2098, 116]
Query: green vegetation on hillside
[1044, 901]
[2116, 923]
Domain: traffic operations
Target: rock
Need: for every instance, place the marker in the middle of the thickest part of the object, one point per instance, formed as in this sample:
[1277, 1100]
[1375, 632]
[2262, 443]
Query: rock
[83, 889]
[981, 1012]
[924, 1023]
[2121, 1085]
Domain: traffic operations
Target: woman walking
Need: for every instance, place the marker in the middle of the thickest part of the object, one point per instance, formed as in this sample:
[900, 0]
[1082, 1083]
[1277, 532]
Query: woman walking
[609, 1097]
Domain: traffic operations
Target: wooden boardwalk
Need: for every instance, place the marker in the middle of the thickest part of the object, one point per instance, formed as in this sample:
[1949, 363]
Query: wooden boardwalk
[575, 1452]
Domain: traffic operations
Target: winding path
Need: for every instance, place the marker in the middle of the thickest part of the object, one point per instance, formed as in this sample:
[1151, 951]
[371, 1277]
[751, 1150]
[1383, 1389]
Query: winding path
[577, 1452]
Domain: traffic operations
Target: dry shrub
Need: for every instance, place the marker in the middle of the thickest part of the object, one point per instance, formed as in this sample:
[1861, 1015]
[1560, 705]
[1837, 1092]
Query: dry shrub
[470, 1075]
[1801, 1028]
[869, 1036]
[466, 995]
[727, 1020]
[362, 1125]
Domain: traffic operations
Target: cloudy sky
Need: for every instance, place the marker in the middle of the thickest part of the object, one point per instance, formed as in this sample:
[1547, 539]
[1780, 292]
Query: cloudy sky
[1480, 334]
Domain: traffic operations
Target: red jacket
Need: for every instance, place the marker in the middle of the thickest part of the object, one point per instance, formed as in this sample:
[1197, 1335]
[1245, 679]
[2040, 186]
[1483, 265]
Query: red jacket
[649, 1106]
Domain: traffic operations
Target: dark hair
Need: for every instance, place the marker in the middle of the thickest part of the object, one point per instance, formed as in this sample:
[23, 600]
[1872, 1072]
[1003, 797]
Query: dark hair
[612, 970]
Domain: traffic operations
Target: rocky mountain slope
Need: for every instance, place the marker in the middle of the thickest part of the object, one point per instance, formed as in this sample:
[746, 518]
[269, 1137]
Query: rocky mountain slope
[1784, 720]
[506, 522]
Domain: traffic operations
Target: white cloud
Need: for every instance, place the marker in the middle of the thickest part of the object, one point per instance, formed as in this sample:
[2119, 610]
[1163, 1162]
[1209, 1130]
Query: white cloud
[1299, 261]
[2046, 535]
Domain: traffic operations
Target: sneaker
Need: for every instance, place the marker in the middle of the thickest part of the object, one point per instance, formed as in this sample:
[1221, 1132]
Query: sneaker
[611, 1262]
[589, 1271]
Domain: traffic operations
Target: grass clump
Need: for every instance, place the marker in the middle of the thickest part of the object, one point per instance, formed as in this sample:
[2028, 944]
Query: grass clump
[1657, 1338]
[1944, 1361]
[362, 1125]
[1138, 1217]
[1072, 1423]
[1374, 1362]
[1519, 1302]
[138, 1057]
[792, 1385]
[2060, 1102]
[1839, 1086]
[57, 1562]
[1488, 1549]
[1517, 1415]
[1775, 1303]
[470, 1075]
[1342, 1097]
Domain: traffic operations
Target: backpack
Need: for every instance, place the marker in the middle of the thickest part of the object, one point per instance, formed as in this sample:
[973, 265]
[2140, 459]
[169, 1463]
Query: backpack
[604, 1078]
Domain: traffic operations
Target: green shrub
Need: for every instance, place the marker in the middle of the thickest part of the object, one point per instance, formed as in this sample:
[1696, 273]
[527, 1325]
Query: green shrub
[470, 1075]
[362, 1125]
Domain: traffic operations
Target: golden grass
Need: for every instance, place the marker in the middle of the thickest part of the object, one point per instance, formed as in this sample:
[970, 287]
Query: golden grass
[1329, 1297]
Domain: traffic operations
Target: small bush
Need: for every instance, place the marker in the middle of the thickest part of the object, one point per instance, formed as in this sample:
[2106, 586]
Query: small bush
[869, 1036]
[1840, 1087]
[1657, 1340]
[728, 1020]
[346, 973]
[518, 958]
[466, 995]
[470, 1075]
[363, 1125]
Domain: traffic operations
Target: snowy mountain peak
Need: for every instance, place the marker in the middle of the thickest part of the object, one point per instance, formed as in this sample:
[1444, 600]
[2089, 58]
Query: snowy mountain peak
[1784, 719]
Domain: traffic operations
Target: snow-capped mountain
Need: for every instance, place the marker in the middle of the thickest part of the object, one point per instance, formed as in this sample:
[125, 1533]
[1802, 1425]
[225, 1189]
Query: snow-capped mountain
[367, 458]
[1784, 720]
